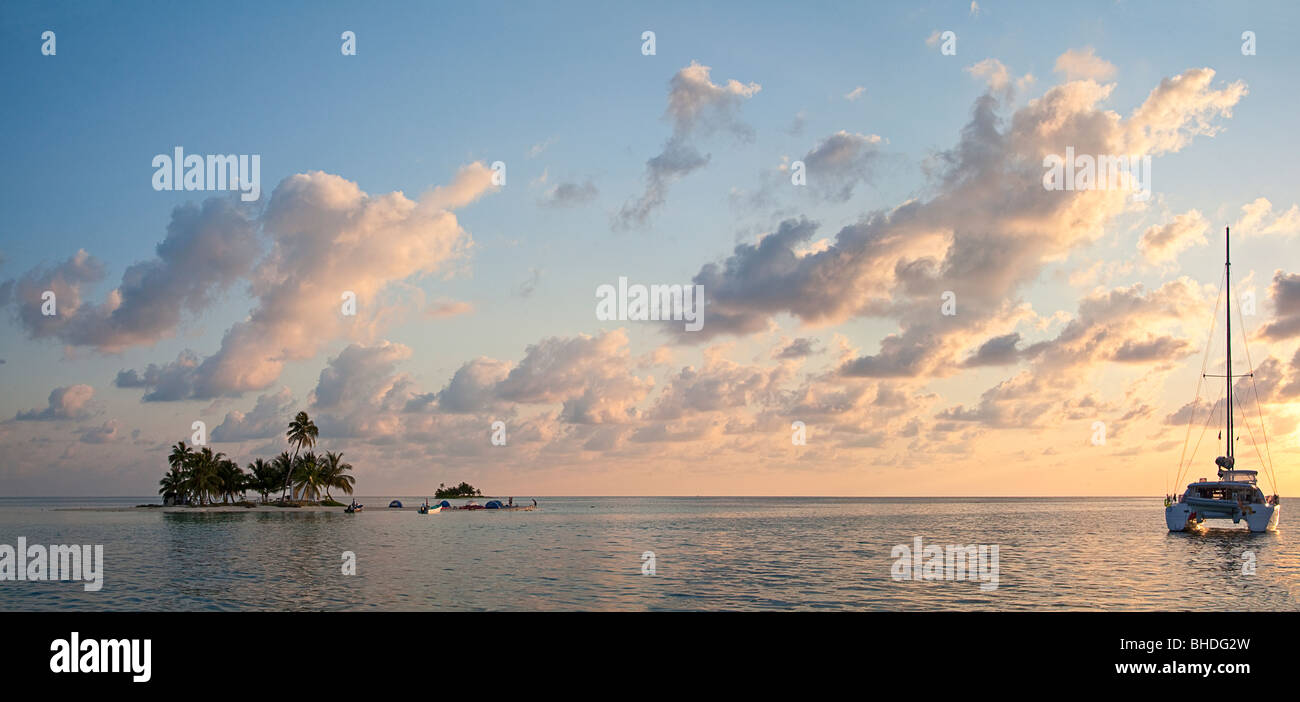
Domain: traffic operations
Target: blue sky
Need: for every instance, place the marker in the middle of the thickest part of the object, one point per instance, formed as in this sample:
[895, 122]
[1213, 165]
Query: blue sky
[435, 86]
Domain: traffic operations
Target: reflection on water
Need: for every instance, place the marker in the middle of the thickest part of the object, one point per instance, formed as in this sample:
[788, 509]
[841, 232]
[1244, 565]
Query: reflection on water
[711, 553]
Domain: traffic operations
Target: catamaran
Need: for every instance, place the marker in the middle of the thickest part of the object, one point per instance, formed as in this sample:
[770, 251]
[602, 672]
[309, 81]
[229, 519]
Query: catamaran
[1236, 494]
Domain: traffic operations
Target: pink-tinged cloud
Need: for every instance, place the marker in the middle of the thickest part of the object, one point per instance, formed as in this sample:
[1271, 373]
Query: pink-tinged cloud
[329, 238]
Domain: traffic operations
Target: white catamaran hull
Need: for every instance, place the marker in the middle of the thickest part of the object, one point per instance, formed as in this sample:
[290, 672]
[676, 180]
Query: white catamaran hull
[1258, 517]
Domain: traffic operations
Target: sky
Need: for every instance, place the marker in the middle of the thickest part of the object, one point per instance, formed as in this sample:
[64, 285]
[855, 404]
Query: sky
[896, 303]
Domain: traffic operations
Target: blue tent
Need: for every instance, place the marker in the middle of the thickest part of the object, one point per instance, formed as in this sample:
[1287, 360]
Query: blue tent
[444, 504]
[395, 503]
[493, 504]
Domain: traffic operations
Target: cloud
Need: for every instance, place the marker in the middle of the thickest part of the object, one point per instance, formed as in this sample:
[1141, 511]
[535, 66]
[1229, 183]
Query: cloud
[696, 103]
[1185, 414]
[70, 402]
[443, 308]
[536, 149]
[587, 374]
[1180, 108]
[359, 392]
[987, 230]
[840, 162]
[696, 106]
[206, 250]
[107, 433]
[1285, 292]
[998, 351]
[472, 182]
[328, 236]
[529, 286]
[570, 194]
[1255, 216]
[721, 385]
[1163, 243]
[165, 383]
[473, 388]
[1152, 349]
[855, 94]
[1084, 64]
[797, 124]
[797, 348]
[268, 418]
[993, 72]
[356, 370]
[1122, 325]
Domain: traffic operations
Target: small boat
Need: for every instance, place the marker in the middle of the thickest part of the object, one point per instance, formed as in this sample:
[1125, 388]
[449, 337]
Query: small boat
[395, 504]
[354, 507]
[427, 508]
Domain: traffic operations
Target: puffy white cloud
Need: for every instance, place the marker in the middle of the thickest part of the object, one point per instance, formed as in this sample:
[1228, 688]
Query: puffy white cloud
[206, 250]
[1165, 242]
[987, 231]
[328, 236]
[70, 402]
[267, 419]
[1258, 218]
[1084, 64]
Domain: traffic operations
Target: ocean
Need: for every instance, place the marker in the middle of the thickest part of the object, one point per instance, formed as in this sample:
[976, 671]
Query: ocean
[655, 553]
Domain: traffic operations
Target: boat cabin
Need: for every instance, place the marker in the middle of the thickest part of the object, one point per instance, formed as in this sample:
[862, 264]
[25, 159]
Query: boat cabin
[1225, 490]
[1239, 476]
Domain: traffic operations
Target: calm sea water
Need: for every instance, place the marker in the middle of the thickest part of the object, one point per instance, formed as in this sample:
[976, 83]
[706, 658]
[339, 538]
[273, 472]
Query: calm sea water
[710, 554]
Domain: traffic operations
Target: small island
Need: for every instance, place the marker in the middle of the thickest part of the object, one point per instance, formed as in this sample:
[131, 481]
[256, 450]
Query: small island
[203, 478]
[462, 490]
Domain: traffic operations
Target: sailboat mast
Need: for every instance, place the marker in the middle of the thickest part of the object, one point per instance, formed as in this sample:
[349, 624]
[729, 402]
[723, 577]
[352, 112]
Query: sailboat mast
[1227, 280]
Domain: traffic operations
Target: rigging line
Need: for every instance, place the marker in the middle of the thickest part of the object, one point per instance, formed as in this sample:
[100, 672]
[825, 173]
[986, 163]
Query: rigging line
[1205, 361]
[1251, 433]
[1272, 476]
[1250, 365]
[1209, 418]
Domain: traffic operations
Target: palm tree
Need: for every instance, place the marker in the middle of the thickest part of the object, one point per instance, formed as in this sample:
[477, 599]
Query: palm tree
[334, 474]
[204, 479]
[302, 432]
[306, 476]
[181, 460]
[179, 456]
[172, 486]
[262, 477]
[231, 478]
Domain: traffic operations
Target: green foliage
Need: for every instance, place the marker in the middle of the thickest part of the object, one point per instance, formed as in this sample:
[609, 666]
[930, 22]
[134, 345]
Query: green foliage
[199, 477]
[462, 490]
